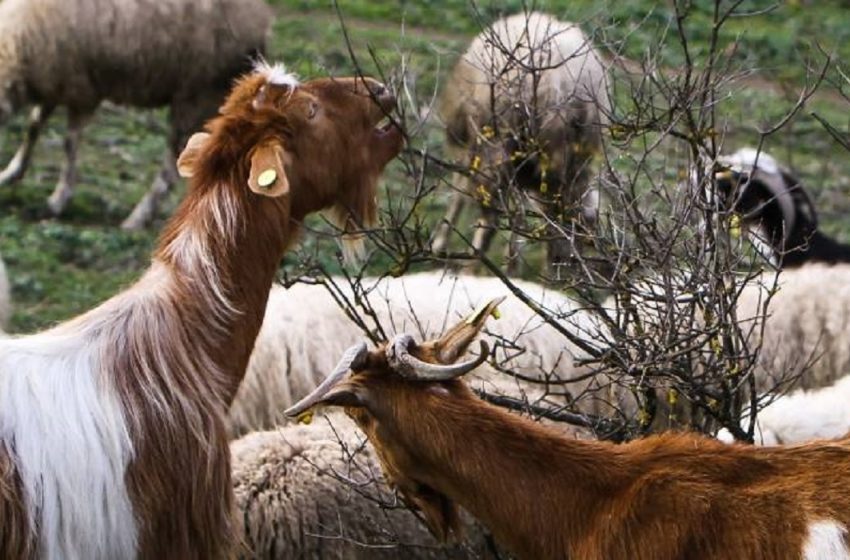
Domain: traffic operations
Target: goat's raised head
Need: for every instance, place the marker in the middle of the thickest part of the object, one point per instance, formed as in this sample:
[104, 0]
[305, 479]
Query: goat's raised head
[320, 140]
[384, 390]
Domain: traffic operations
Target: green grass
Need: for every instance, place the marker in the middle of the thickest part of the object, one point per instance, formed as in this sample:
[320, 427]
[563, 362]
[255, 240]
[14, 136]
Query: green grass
[62, 267]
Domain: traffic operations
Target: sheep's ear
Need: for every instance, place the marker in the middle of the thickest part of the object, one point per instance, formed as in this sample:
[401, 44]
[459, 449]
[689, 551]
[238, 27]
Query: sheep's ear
[187, 159]
[452, 345]
[268, 176]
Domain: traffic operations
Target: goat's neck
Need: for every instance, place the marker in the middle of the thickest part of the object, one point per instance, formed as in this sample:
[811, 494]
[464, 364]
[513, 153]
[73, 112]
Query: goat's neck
[536, 490]
[222, 252]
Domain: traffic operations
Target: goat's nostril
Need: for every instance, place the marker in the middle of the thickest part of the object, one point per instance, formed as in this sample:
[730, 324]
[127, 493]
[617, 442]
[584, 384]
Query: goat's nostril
[378, 89]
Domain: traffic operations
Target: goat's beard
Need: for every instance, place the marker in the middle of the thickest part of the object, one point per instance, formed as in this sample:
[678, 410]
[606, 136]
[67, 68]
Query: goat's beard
[353, 239]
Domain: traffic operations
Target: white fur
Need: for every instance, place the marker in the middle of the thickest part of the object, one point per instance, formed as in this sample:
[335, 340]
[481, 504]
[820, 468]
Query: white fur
[827, 540]
[276, 74]
[745, 159]
[64, 427]
[804, 416]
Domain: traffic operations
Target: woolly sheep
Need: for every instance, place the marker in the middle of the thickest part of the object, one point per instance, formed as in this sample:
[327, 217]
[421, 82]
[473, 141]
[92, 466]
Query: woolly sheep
[305, 331]
[181, 54]
[807, 326]
[318, 492]
[542, 136]
[803, 416]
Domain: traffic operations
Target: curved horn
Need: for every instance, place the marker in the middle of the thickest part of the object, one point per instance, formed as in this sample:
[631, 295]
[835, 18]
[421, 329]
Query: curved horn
[411, 367]
[354, 356]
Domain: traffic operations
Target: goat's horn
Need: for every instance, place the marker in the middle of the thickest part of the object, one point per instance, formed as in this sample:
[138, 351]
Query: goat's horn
[354, 356]
[411, 367]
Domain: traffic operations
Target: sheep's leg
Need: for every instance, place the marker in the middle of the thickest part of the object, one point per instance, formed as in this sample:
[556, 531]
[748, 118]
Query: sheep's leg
[485, 229]
[444, 228]
[514, 248]
[145, 210]
[68, 175]
[20, 162]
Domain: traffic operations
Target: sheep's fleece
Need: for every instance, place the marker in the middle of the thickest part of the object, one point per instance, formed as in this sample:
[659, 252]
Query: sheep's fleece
[305, 332]
[301, 494]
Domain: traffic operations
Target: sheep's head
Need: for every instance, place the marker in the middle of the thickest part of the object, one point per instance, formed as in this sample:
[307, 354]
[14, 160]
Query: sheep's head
[322, 142]
[386, 392]
[771, 202]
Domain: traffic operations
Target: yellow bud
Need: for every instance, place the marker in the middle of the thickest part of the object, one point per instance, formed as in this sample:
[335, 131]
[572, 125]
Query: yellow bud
[476, 163]
[306, 417]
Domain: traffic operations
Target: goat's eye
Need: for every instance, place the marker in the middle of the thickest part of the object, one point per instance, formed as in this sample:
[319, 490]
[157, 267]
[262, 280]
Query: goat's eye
[312, 110]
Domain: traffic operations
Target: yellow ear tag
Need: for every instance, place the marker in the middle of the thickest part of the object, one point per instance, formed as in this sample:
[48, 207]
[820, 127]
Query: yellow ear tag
[305, 417]
[267, 178]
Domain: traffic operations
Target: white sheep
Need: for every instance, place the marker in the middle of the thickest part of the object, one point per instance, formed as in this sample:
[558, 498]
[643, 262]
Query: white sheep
[180, 54]
[803, 416]
[318, 492]
[304, 331]
[807, 325]
[525, 105]
[5, 297]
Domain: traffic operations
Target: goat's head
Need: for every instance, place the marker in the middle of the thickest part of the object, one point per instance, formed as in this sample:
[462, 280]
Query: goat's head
[384, 391]
[320, 140]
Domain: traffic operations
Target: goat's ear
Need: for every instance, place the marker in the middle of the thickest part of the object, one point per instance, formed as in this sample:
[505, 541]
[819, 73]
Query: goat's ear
[344, 395]
[268, 176]
[452, 345]
[440, 513]
[187, 159]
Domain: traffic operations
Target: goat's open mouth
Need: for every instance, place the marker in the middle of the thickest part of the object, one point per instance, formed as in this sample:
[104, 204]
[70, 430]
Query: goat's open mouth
[385, 125]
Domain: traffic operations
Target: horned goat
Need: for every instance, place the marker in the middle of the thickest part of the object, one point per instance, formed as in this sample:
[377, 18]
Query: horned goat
[548, 497]
[317, 492]
[778, 214]
[304, 328]
[525, 104]
[113, 424]
[179, 54]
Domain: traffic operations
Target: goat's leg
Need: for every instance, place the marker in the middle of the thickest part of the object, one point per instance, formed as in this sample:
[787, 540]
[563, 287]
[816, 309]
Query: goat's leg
[68, 175]
[444, 228]
[20, 162]
[145, 210]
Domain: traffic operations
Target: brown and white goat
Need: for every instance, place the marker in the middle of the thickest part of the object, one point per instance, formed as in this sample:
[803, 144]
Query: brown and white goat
[112, 424]
[548, 497]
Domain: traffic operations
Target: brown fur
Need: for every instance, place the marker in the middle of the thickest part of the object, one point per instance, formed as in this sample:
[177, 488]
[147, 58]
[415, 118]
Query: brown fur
[177, 343]
[548, 497]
